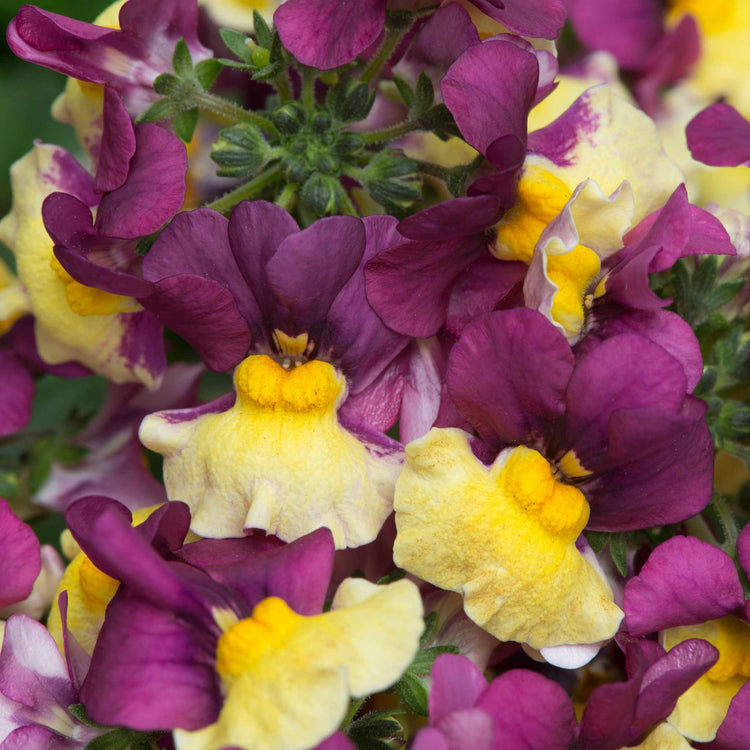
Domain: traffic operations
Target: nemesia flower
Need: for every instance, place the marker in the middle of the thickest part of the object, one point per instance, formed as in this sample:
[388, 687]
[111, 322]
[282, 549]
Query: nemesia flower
[466, 712]
[590, 419]
[223, 638]
[290, 455]
[109, 333]
[128, 58]
[36, 690]
[20, 562]
[689, 589]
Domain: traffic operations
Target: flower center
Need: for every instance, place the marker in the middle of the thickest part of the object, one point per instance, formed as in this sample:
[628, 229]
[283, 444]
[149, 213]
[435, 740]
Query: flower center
[243, 645]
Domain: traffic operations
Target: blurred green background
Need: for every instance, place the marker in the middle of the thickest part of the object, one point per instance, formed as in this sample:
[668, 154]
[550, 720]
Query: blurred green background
[27, 93]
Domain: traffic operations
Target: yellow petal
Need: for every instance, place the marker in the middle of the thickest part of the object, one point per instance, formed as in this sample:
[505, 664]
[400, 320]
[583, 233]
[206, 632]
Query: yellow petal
[504, 536]
[664, 737]
[277, 460]
[288, 678]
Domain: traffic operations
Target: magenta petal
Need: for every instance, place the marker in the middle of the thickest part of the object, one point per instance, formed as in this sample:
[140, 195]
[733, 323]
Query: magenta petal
[409, 285]
[151, 670]
[154, 190]
[458, 217]
[624, 372]
[456, 684]
[16, 396]
[660, 469]
[628, 28]
[537, 18]
[327, 33]
[364, 346]
[734, 733]
[118, 144]
[508, 374]
[336, 741]
[447, 33]
[684, 581]
[530, 711]
[310, 268]
[720, 136]
[20, 562]
[490, 90]
[379, 403]
[430, 739]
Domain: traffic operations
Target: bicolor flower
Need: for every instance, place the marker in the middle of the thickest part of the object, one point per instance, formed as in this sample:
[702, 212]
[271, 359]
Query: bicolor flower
[505, 212]
[138, 186]
[224, 641]
[611, 441]
[128, 58]
[520, 708]
[689, 589]
[290, 452]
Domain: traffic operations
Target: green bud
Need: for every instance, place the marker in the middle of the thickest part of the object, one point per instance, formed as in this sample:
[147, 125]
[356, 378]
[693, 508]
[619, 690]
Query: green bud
[241, 151]
[733, 422]
[325, 164]
[298, 172]
[321, 194]
[321, 122]
[347, 145]
[290, 118]
[261, 57]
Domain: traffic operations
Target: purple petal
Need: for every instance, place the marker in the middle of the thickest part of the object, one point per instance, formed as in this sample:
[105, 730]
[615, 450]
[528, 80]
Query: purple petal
[468, 728]
[20, 562]
[517, 699]
[660, 469]
[154, 190]
[667, 679]
[608, 716]
[628, 29]
[508, 374]
[151, 670]
[456, 684]
[624, 372]
[684, 581]
[117, 146]
[310, 268]
[720, 136]
[430, 739]
[337, 741]
[537, 18]
[734, 732]
[363, 344]
[259, 567]
[490, 90]
[667, 329]
[409, 285]
[325, 34]
[256, 229]
[16, 396]
[76, 658]
[458, 217]
[423, 388]
[447, 33]
[378, 405]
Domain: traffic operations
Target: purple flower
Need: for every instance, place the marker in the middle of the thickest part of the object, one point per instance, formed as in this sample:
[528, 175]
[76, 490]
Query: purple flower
[19, 557]
[128, 59]
[518, 709]
[719, 136]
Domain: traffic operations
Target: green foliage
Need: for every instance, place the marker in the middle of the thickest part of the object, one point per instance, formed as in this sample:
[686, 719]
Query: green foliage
[375, 730]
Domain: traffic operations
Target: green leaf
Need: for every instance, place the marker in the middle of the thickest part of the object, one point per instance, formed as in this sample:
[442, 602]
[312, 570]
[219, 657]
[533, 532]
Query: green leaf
[238, 43]
[182, 61]
[206, 72]
[423, 661]
[123, 739]
[597, 540]
[161, 109]
[57, 399]
[425, 95]
[262, 31]
[618, 549]
[184, 123]
[404, 90]
[412, 691]
[9, 484]
[166, 84]
[68, 453]
[440, 120]
[373, 730]
[722, 294]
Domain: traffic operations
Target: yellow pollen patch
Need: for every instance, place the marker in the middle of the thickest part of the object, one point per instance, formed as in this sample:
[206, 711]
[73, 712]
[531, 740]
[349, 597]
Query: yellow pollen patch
[292, 345]
[572, 467]
[713, 16]
[87, 300]
[572, 274]
[241, 647]
[541, 196]
[313, 386]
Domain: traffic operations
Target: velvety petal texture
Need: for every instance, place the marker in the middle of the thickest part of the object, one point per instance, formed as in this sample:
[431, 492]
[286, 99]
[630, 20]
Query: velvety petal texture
[719, 136]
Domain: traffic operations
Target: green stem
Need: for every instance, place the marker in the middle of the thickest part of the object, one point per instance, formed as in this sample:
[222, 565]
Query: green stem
[283, 86]
[382, 55]
[231, 113]
[354, 707]
[245, 191]
[346, 205]
[434, 170]
[308, 88]
[392, 132]
[288, 197]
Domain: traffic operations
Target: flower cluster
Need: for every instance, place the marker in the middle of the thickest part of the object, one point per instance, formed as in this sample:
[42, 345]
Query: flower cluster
[373, 362]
